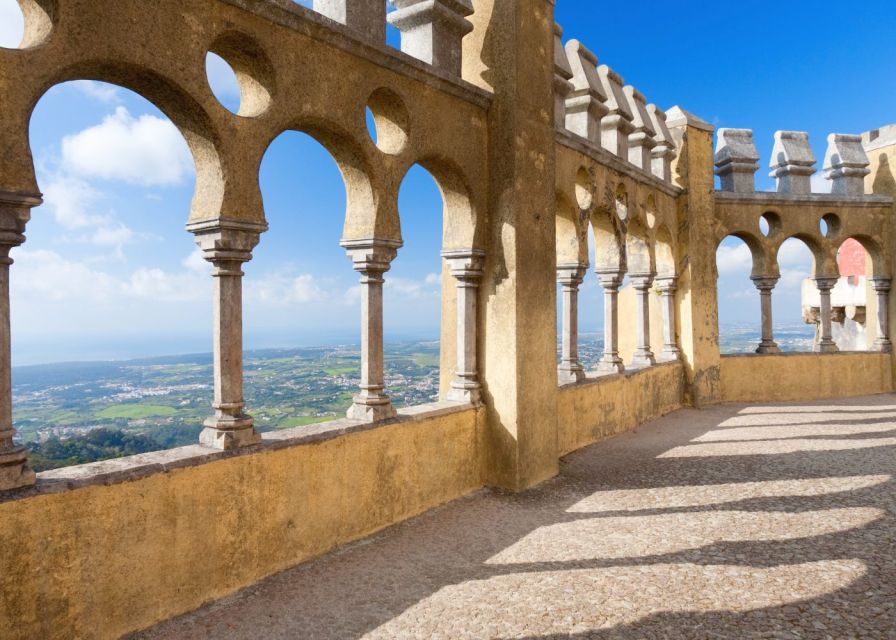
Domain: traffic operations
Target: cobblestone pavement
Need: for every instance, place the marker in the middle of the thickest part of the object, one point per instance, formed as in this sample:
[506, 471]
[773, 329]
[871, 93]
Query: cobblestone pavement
[741, 522]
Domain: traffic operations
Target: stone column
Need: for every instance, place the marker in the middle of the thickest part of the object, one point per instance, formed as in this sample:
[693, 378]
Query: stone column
[643, 356]
[227, 244]
[881, 287]
[826, 344]
[466, 267]
[15, 211]
[846, 164]
[765, 284]
[432, 30]
[570, 278]
[610, 362]
[668, 286]
[371, 258]
[736, 160]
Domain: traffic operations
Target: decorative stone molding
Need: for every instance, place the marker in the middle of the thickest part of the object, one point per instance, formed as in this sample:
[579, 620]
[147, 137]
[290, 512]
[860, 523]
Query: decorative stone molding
[736, 160]
[881, 287]
[641, 140]
[367, 17]
[570, 277]
[15, 212]
[585, 105]
[610, 362]
[616, 125]
[371, 257]
[826, 342]
[643, 356]
[766, 284]
[227, 244]
[562, 78]
[667, 286]
[664, 148]
[846, 164]
[432, 30]
[466, 267]
[793, 162]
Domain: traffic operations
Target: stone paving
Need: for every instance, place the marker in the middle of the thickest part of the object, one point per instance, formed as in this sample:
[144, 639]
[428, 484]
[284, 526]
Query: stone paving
[761, 521]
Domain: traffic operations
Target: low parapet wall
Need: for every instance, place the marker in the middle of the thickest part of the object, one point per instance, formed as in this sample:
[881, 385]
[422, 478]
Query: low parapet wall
[804, 376]
[99, 550]
[601, 407]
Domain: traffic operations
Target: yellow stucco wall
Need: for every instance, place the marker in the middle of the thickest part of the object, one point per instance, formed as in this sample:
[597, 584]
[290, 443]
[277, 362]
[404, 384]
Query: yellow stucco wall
[101, 561]
[608, 405]
[804, 376]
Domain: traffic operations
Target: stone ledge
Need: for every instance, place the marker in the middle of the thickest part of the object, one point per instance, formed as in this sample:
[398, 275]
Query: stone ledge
[130, 468]
[596, 378]
[773, 197]
[310, 23]
[612, 161]
[814, 354]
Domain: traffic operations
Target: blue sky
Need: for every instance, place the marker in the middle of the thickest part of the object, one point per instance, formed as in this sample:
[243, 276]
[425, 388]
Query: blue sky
[108, 270]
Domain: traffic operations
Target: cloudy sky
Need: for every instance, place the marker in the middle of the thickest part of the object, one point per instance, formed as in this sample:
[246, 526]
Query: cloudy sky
[108, 270]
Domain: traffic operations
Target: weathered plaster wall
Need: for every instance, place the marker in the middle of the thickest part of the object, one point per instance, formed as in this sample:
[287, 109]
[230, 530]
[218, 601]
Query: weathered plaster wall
[609, 405]
[100, 561]
[804, 376]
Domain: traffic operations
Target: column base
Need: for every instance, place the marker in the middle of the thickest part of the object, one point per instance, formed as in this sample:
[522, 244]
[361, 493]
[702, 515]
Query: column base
[643, 359]
[464, 394]
[828, 347]
[568, 374]
[670, 354]
[768, 347]
[14, 470]
[371, 409]
[610, 364]
[229, 433]
[883, 345]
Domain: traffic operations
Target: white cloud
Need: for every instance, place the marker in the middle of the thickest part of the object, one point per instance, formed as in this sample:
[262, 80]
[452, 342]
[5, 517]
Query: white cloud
[99, 91]
[433, 279]
[734, 258]
[820, 184]
[791, 280]
[285, 290]
[196, 263]
[115, 235]
[161, 286]
[46, 276]
[12, 24]
[794, 253]
[71, 201]
[145, 150]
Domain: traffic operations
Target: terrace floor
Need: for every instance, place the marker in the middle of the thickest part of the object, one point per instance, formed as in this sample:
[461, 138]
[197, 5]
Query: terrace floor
[761, 521]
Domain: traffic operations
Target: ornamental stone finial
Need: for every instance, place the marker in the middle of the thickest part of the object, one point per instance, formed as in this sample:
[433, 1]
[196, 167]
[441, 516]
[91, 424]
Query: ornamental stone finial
[846, 164]
[367, 17]
[432, 30]
[585, 104]
[616, 125]
[562, 76]
[664, 151]
[640, 140]
[793, 162]
[736, 160]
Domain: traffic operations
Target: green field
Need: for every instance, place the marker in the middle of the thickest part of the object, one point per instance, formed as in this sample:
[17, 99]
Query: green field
[135, 411]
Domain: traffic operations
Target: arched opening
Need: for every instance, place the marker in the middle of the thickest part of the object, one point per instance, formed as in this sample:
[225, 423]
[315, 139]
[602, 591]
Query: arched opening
[609, 265]
[301, 298]
[413, 295]
[797, 324]
[109, 282]
[738, 296]
[12, 24]
[572, 261]
[862, 286]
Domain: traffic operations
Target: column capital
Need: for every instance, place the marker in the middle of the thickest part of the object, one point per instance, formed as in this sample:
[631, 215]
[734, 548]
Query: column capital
[610, 278]
[465, 264]
[667, 284]
[641, 281]
[825, 283]
[765, 283]
[571, 274]
[226, 240]
[15, 212]
[880, 284]
[371, 254]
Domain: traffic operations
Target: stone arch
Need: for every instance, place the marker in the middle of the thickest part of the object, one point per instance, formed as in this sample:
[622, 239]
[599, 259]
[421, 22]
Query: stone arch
[639, 254]
[609, 250]
[879, 265]
[824, 260]
[572, 241]
[762, 266]
[664, 251]
[460, 217]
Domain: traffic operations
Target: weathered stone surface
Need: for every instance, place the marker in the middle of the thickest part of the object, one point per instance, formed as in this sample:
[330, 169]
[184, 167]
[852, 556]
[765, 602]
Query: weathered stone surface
[736, 160]
[846, 164]
[793, 162]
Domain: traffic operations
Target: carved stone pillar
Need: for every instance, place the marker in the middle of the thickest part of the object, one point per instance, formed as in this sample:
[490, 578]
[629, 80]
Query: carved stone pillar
[15, 211]
[227, 244]
[466, 267]
[826, 344]
[432, 30]
[570, 278]
[371, 258]
[736, 160]
[881, 287]
[610, 362]
[643, 356]
[668, 285]
[765, 284]
[367, 17]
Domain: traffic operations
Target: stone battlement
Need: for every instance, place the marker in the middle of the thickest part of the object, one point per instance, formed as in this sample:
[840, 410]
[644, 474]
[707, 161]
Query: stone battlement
[535, 146]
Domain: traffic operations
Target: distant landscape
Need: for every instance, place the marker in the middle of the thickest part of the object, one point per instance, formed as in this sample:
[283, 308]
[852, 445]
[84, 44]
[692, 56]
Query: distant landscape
[73, 413]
